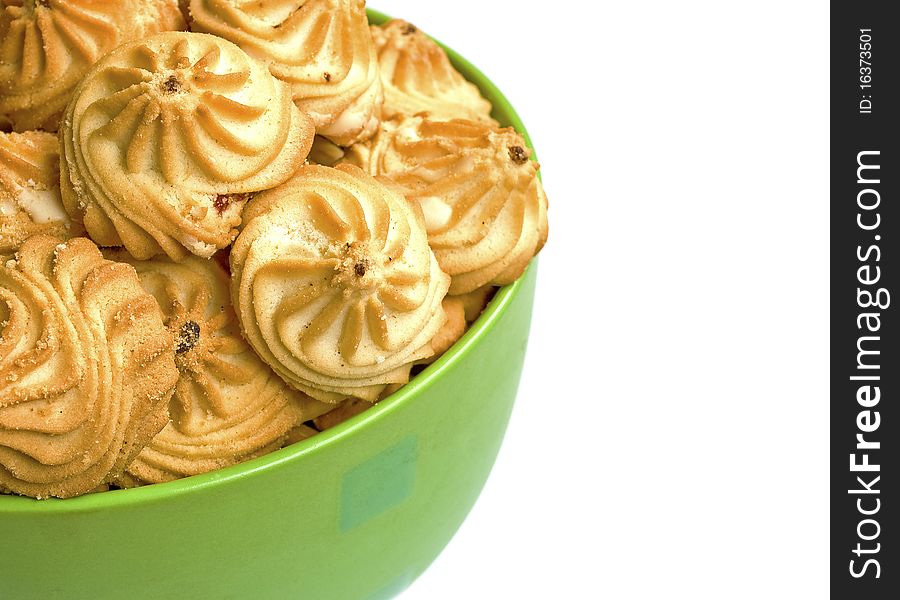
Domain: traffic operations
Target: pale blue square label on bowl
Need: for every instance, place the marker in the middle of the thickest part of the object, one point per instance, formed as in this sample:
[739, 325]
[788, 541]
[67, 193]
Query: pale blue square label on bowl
[375, 486]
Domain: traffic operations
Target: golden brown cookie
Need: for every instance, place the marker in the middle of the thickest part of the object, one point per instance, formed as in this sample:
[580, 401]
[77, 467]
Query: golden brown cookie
[476, 301]
[29, 190]
[86, 368]
[228, 405]
[454, 327]
[485, 208]
[334, 283]
[299, 433]
[418, 77]
[325, 152]
[165, 138]
[321, 48]
[46, 46]
[345, 410]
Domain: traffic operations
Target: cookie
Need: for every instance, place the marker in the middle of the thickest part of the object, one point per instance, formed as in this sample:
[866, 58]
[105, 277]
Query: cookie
[325, 152]
[228, 405]
[484, 206]
[299, 433]
[418, 76]
[29, 190]
[476, 301]
[165, 138]
[343, 411]
[334, 283]
[321, 48]
[86, 368]
[48, 45]
[454, 327]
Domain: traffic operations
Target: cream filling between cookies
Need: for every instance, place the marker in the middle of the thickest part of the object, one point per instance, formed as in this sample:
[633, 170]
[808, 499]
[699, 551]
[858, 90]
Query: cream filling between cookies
[437, 212]
[360, 116]
[8, 208]
[41, 206]
[349, 120]
[197, 247]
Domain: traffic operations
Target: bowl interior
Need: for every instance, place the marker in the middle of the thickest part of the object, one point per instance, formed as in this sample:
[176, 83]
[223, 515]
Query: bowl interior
[506, 115]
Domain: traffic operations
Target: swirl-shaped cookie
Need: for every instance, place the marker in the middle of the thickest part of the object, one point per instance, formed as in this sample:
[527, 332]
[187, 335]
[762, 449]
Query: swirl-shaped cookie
[228, 406]
[418, 77]
[165, 137]
[29, 190]
[86, 368]
[48, 45]
[334, 284]
[476, 301]
[454, 327]
[345, 410]
[321, 48]
[485, 208]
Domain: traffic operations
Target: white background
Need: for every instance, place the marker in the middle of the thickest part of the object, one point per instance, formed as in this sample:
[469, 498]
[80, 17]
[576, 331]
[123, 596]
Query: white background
[670, 435]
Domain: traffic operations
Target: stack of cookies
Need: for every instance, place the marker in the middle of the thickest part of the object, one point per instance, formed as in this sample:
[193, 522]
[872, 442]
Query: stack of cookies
[228, 225]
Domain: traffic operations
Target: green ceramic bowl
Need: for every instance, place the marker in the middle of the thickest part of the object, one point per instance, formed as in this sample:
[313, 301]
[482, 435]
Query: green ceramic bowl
[356, 512]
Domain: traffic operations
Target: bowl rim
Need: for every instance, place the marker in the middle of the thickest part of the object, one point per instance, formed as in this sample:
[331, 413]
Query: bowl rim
[12, 504]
